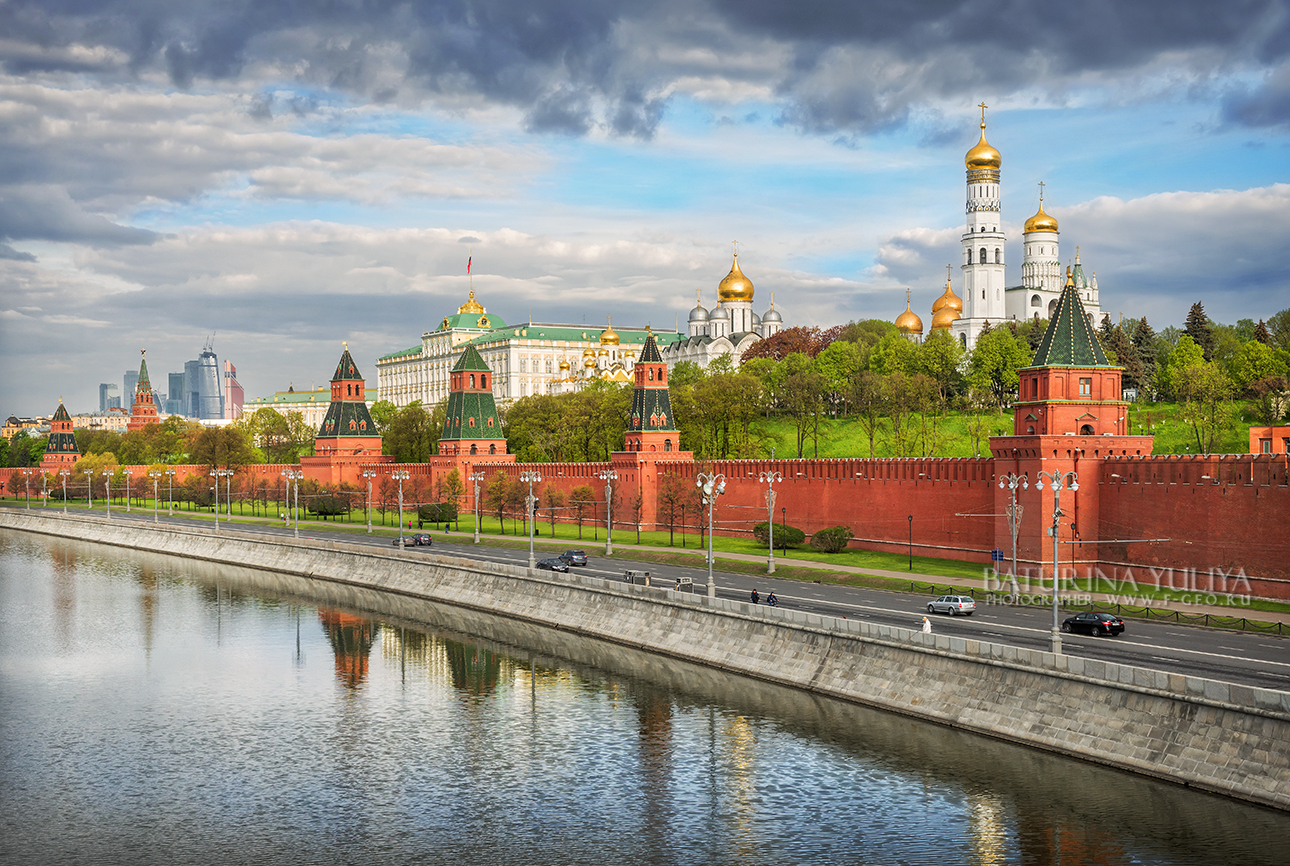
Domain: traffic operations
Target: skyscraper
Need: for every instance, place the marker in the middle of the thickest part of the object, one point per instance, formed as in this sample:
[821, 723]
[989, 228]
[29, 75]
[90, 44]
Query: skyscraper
[131, 382]
[107, 393]
[175, 394]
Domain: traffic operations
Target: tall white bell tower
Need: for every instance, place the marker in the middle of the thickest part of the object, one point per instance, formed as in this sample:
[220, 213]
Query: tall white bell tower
[983, 243]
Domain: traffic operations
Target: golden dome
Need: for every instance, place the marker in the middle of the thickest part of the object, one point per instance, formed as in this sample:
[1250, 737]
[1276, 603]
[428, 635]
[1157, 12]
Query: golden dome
[983, 155]
[588, 353]
[944, 317]
[590, 361]
[1041, 222]
[948, 299]
[471, 305]
[908, 321]
[604, 353]
[564, 365]
[735, 287]
[609, 337]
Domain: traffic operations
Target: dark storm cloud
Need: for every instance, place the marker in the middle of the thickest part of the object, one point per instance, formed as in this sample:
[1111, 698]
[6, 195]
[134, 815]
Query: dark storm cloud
[1266, 105]
[571, 65]
[47, 213]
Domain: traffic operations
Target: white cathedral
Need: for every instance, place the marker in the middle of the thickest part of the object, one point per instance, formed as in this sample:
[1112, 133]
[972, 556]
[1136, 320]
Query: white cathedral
[986, 298]
[729, 328]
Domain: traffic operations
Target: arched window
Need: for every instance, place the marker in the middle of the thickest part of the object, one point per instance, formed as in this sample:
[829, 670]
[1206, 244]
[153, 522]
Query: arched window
[1030, 431]
[492, 449]
[982, 259]
[1036, 301]
[483, 380]
[1086, 430]
[473, 449]
[667, 444]
[662, 374]
[1052, 305]
[998, 256]
[651, 374]
[472, 380]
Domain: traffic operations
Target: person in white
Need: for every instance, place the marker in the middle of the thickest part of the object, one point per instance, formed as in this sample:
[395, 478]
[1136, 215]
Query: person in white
[927, 626]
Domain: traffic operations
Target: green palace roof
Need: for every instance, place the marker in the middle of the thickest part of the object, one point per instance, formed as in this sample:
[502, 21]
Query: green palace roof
[572, 334]
[406, 353]
[1070, 340]
[471, 321]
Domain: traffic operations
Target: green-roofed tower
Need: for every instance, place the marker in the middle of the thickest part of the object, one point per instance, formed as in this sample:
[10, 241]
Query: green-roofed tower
[651, 427]
[471, 425]
[347, 429]
[1071, 386]
[61, 452]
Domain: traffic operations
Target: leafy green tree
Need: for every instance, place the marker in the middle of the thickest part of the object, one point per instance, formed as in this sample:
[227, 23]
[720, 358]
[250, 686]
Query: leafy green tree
[673, 496]
[554, 501]
[993, 365]
[838, 364]
[894, 354]
[451, 489]
[227, 447]
[581, 499]
[412, 435]
[803, 398]
[1118, 344]
[869, 398]
[382, 412]
[1271, 399]
[328, 505]
[1254, 361]
[1206, 394]
[1184, 354]
[939, 358]
[1279, 329]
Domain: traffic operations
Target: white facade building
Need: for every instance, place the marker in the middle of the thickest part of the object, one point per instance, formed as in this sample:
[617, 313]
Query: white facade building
[729, 328]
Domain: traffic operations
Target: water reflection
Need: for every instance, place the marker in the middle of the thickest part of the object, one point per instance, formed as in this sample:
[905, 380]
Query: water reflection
[155, 706]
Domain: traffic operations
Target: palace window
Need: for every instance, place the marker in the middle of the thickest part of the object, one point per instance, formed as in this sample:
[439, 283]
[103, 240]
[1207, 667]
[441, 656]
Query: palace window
[1086, 387]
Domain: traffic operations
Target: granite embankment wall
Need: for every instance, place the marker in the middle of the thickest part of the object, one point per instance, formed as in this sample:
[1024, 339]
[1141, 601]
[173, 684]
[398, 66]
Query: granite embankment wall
[1228, 739]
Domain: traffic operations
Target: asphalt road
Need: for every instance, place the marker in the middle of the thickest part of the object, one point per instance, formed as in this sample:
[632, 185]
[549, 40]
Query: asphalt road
[1240, 657]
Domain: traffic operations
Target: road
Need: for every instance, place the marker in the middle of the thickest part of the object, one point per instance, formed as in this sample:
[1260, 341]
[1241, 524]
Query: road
[1239, 657]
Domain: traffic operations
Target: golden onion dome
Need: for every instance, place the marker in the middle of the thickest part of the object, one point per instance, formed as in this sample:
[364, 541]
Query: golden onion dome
[609, 337]
[948, 299]
[604, 353]
[471, 305]
[735, 287]
[589, 361]
[564, 365]
[943, 318]
[1041, 222]
[588, 353]
[908, 321]
[982, 155]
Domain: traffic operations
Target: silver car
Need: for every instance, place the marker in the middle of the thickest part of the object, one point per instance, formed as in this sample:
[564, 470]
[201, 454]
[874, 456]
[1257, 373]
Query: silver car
[953, 605]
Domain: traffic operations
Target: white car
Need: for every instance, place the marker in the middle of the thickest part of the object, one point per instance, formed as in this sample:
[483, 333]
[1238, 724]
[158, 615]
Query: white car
[953, 605]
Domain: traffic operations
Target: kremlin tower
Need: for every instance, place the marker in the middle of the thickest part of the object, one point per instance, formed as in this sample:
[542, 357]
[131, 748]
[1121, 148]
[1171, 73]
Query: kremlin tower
[983, 268]
[144, 411]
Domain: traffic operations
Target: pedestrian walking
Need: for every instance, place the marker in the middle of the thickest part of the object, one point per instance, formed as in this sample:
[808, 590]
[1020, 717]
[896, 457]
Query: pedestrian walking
[927, 626]
[755, 596]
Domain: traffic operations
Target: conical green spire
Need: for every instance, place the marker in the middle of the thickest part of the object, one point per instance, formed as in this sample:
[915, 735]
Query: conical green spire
[144, 384]
[1070, 340]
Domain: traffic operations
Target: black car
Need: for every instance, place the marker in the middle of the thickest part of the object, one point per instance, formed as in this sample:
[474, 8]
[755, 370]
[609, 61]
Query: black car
[574, 557]
[555, 563]
[1096, 624]
[422, 540]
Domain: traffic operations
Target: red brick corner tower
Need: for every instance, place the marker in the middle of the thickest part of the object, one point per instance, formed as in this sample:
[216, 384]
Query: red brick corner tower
[347, 429]
[61, 452]
[145, 406]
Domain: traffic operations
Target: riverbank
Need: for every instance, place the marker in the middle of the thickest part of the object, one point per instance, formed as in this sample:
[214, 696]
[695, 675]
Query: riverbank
[1228, 739]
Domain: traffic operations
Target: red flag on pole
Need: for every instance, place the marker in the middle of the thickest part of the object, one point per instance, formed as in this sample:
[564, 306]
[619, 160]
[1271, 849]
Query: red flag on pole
[468, 264]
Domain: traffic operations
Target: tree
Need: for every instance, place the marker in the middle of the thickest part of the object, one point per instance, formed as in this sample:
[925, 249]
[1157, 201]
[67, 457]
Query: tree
[1261, 333]
[1126, 355]
[1271, 399]
[869, 397]
[1184, 354]
[894, 354]
[382, 412]
[554, 499]
[993, 365]
[1252, 362]
[939, 358]
[1279, 329]
[832, 540]
[1206, 393]
[1200, 329]
[801, 339]
[227, 447]
[452, 489]
[803, 398]
[838, 365]
[411, 436]
[581, 498]
[498, 495]
[674, 495]
[328, 505]
[637, 509]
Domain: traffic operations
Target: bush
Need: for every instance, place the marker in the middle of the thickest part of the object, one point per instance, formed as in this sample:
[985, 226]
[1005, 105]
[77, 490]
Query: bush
[438, 512]
[833, 539]
[785, 535]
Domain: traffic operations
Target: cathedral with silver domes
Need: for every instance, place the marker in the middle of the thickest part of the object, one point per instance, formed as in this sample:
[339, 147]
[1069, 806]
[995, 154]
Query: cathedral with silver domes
[729, 328]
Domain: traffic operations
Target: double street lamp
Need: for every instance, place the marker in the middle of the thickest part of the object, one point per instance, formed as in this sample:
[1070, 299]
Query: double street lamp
[1057, 480]
[476, 478]
[89, 486]
[64, 473]
[170, 492]
[400, 475]
[609, 476]
[769, 478]
[1011, 482]
[294, 475]
[107, 491]
[217, 474]
[369, 474]
[26, 483]
[530, 478]
[155, 475]
[711, 485]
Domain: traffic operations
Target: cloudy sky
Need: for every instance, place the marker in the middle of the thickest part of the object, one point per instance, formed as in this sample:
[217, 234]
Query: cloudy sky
[282, 175]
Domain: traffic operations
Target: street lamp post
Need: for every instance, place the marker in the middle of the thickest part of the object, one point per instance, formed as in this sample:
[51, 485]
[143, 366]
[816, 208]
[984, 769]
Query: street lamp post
[476, 478]
[294, 475]
[369, 475]
[217, 475]
[127, 491]
[609, 476]
[401, 475]
[769, 477]
[1011, 482]
[26, 483]
[530, 478]
[1057, 480]
[170, 493]
[911, 542]
[89, 487]
[64, 473]
[107, 491]
[155, 475]
[711, 485]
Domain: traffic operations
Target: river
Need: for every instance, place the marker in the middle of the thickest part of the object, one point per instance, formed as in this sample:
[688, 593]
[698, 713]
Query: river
[160, 710]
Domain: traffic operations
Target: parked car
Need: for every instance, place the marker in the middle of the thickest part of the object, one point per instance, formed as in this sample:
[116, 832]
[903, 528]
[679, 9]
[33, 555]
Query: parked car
[407, 541]
[422, 540]
[574, 557]
[953, 605]
[1096, 624]
[555, 563]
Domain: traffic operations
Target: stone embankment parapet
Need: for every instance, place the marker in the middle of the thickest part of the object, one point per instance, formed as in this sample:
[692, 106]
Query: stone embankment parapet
[1221, 737]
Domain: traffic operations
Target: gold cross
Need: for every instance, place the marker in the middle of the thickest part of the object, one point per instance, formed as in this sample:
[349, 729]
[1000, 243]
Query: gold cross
[1041, 192]
[983, 108]
[736, 243]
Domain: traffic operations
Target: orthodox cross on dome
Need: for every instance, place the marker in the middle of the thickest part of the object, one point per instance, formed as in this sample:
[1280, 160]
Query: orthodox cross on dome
[949, 273]
[1041, 192]
[906, 298]
[983, 107]
[736, 243]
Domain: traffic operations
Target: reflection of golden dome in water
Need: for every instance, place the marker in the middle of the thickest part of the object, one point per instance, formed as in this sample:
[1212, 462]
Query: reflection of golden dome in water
[609, 337]
[735, 287]
[908, 321]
